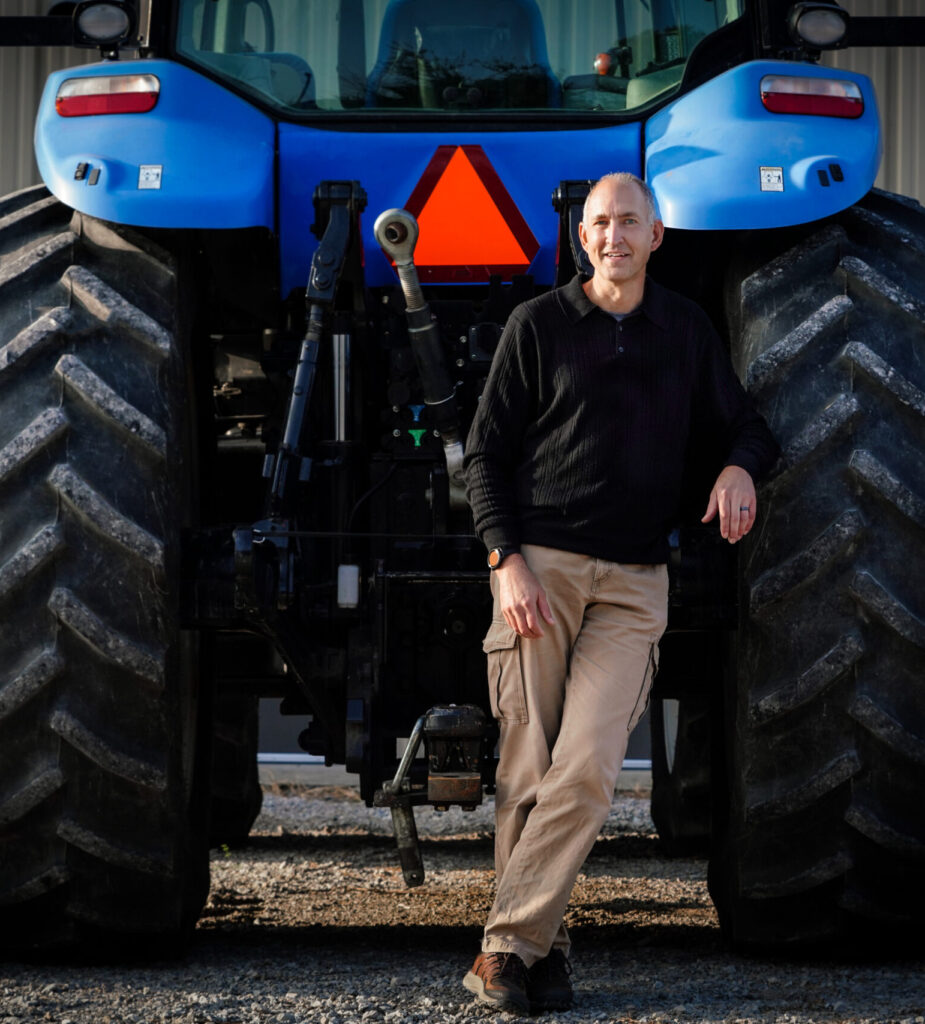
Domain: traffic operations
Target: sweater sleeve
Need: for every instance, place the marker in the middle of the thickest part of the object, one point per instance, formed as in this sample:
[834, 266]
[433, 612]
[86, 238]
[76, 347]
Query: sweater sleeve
[494, 444]
[744, 436]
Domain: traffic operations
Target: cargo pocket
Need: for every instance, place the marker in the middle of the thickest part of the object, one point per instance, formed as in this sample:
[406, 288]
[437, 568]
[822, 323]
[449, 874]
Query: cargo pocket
[505, 673]
[642, 701]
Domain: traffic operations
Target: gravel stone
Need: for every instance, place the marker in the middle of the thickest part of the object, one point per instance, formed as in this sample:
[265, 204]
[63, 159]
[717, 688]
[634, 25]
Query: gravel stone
[311, 923]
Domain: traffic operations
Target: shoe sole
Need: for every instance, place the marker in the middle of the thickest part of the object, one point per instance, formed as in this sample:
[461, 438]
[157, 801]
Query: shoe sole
[510, 1004]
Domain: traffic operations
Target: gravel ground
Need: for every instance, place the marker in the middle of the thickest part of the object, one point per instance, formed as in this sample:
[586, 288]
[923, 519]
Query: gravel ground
[311, 922]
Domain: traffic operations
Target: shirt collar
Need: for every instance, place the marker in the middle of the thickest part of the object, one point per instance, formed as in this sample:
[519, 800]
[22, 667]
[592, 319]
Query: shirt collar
[577, 305]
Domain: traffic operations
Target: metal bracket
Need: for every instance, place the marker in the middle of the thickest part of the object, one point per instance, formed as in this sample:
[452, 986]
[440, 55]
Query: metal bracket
[568, 201]
[263, 554]
[397, 797]
[338, 205]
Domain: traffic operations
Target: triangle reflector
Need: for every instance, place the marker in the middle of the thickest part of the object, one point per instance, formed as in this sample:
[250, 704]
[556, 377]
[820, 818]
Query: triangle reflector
[470, 228]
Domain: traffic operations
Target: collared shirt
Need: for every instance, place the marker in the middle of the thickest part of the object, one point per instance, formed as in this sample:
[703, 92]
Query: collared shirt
[587, 425]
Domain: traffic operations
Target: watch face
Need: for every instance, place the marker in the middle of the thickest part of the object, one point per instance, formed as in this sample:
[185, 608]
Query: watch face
[494, 558]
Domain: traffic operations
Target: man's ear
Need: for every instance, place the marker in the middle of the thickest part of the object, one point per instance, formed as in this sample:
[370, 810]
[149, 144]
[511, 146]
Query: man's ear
[658, 233]
[583, 235]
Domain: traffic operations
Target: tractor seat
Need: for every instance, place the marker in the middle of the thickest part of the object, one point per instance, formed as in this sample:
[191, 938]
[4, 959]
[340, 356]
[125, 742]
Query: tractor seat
[282, 77]
[462, 55]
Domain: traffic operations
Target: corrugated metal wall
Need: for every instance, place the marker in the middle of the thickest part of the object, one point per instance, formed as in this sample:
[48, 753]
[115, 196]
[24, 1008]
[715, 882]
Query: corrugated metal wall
[22, 77]
[899, 78]
[898, 74]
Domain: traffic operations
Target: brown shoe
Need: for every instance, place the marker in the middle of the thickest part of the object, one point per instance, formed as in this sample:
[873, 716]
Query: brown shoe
[548, 984]
[500, 979]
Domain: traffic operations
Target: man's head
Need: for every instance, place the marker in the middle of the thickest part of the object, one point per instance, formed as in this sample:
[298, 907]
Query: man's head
[623, 178]
[620, 229]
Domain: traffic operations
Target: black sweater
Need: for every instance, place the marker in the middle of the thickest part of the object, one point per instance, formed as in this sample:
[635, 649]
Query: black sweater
[586, 425]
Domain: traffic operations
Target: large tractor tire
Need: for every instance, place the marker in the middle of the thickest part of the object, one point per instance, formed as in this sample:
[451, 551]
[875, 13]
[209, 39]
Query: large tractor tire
[102, 816]
[823, 838]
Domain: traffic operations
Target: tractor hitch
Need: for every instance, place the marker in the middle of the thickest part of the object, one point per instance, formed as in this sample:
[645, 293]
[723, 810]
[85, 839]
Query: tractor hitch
[457, 741]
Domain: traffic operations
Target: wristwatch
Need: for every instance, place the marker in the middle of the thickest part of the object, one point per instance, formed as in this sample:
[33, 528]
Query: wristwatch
[495, 557]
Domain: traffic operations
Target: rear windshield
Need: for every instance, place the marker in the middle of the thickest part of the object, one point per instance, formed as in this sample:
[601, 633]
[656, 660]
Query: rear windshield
[470, 56]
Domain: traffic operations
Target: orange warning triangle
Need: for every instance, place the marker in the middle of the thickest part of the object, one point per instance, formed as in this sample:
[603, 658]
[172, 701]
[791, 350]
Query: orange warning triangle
[470, 228]
[460, 223]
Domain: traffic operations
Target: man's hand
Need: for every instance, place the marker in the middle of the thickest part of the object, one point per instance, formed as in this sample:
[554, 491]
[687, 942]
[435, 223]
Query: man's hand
[522, 599]
[733, 496]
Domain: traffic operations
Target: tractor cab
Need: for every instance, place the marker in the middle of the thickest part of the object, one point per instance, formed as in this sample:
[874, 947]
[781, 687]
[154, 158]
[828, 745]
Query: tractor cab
[445, 56]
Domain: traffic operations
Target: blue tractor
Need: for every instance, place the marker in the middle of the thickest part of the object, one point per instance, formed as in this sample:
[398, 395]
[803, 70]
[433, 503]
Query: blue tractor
[244, 325]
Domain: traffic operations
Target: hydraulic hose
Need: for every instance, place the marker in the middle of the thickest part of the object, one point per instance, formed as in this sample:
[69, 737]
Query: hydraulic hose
[397, 232]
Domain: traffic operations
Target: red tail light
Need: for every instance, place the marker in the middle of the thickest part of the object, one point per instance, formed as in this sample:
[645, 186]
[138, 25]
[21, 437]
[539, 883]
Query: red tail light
[107, 94]
[826, 97]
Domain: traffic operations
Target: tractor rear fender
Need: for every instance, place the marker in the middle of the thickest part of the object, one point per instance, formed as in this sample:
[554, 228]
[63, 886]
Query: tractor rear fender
[718, 159]
[201, 158]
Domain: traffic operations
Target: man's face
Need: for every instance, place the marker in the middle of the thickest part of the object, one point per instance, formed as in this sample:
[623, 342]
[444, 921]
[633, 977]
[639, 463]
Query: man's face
[617, 234]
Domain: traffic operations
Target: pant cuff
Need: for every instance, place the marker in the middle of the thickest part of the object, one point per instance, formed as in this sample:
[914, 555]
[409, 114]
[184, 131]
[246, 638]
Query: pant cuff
[526, 952]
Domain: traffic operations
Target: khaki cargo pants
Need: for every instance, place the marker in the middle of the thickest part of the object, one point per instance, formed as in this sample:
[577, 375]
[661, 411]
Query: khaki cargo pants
[566, 703]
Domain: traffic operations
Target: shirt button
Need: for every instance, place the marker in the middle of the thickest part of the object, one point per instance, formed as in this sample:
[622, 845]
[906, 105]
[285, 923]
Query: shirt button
[620, 348]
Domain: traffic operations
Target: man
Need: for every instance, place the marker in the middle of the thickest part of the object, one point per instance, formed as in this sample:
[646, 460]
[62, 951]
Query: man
[574, 468]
